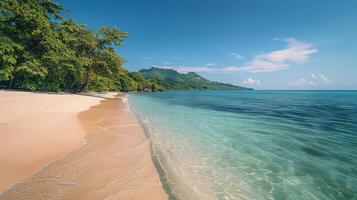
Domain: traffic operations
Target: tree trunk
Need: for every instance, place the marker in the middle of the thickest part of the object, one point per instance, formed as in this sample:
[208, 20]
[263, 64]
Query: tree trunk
[10, 85]
[82, 87]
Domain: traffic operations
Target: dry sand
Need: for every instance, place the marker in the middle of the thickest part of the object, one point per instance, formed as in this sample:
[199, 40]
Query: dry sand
[115, 162]
[36, 128]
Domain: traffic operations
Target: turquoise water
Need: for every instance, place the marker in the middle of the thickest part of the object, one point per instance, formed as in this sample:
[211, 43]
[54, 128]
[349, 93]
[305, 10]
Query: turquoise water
[253, 144]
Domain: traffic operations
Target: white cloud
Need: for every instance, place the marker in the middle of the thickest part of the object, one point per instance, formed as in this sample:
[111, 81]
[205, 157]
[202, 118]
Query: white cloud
[296, 52]
[303, 82]
[324, 79]
[210, 64]
[186, 69]
[236, 55]
[229, 69]
[197, 69]
[251, 82]
[315, 80]
[313, 76]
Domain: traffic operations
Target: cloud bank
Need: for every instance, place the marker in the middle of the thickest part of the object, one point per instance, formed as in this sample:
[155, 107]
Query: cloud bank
[251, 82]
[315, 80]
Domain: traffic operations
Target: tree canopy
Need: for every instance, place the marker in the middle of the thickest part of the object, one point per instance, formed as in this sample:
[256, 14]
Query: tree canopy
[40, 50]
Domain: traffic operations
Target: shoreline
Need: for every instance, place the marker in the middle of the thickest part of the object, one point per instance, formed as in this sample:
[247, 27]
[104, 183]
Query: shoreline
[115, 161]
[171, 178]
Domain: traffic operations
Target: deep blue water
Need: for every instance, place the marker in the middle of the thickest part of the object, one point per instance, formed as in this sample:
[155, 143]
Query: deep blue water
[253, 144]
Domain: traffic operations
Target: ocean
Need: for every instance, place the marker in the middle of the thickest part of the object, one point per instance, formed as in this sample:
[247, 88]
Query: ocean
[252, 144]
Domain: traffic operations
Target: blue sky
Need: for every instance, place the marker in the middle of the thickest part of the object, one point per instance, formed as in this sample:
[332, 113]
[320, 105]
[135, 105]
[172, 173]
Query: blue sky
[285, 44]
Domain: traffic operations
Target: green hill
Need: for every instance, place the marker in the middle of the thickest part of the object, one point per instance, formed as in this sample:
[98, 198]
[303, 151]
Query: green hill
[170, 79]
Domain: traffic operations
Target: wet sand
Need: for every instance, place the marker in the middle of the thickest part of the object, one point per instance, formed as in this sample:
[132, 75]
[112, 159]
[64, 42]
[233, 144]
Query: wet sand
[115, 162]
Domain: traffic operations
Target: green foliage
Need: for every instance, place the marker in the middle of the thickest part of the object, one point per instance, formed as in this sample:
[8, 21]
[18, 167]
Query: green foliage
[128, 84]
[103, 84]
[40, 50]
[168, 79]
[8, 57]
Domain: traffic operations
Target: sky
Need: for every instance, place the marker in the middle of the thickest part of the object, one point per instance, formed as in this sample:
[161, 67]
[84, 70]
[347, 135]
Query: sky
[264, 44]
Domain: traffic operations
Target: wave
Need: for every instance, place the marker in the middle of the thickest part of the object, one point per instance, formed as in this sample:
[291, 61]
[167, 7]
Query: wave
[172, 178]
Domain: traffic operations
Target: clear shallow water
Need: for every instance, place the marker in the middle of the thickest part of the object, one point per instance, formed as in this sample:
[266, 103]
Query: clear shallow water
[253, 144]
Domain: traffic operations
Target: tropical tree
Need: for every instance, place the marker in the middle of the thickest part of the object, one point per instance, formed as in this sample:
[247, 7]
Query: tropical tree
[40, 50]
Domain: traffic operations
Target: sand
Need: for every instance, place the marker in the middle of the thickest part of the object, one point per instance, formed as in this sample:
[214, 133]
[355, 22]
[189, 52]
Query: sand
[36, 128]
[114, 163]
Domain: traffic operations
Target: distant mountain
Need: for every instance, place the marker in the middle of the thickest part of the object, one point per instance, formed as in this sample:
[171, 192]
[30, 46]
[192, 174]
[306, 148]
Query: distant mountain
[170, 79]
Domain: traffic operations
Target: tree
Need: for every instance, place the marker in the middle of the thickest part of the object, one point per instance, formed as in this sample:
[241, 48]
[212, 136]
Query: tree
[40, 50]
[27, 24]
[8, 57]
[97, 52]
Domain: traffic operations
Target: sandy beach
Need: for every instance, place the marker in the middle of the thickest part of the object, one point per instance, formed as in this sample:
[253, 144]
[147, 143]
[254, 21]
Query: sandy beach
[64, 146]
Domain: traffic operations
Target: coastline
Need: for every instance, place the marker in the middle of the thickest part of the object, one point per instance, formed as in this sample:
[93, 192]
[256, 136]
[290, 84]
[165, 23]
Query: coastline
[115, 162]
